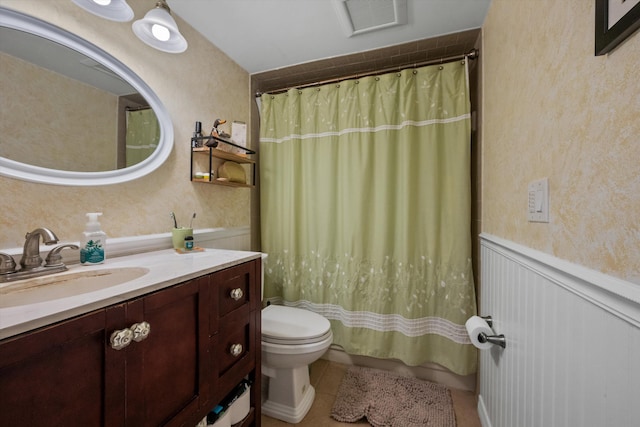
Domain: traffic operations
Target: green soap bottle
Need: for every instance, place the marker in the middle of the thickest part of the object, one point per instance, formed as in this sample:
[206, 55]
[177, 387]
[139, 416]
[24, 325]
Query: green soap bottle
[93, 243]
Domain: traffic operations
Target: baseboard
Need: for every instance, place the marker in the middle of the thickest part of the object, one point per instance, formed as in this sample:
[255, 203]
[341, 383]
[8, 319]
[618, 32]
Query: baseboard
[482, 413]
[430, 372]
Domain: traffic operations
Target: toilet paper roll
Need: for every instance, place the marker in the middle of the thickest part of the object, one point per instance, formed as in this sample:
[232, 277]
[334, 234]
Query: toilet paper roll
[475, 326]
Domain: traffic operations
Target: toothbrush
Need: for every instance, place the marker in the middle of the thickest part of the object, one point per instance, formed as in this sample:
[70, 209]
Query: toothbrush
[191, 222]
[175, 222]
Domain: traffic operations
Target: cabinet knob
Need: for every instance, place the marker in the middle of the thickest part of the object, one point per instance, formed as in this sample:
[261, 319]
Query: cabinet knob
[235, 350]
[121, 338]
[140, 331]
[236, 294]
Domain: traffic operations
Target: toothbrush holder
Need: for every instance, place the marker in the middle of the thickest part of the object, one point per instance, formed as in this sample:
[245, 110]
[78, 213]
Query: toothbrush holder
[178, 235]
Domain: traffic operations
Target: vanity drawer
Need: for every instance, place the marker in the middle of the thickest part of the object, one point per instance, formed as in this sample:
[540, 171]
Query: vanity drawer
[235, 350]
[236, 288]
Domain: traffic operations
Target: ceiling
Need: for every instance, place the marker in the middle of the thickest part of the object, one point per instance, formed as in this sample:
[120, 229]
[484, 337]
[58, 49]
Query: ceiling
[266, 35]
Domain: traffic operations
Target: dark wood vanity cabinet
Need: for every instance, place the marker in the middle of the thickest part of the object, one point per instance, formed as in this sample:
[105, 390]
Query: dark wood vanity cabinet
[59, 375]
[69, 374]
[166, 373]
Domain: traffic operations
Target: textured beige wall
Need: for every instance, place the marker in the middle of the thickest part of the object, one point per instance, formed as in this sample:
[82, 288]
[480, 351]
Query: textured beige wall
[41, 124]
[553, 109]
[200, 84]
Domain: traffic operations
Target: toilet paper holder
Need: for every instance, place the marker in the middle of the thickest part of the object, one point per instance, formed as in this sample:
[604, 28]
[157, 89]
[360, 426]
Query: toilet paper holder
[493, 339]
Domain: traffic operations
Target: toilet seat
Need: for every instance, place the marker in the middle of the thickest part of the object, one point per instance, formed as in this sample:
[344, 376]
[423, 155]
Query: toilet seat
[293, 326]
[272, 340]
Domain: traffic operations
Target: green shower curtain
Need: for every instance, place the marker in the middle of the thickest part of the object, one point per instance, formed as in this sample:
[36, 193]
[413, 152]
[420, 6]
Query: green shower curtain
[143, 134]
[365, 211]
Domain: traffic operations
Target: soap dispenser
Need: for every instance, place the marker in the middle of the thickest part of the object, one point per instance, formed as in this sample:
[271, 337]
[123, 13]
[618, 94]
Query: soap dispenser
[92, 245]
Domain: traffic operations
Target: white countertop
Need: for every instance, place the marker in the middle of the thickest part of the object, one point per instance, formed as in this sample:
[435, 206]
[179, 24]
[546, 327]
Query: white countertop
[166, 268]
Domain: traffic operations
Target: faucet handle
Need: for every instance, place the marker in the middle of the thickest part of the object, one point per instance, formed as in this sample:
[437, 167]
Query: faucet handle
[54, 258]
[7, 264]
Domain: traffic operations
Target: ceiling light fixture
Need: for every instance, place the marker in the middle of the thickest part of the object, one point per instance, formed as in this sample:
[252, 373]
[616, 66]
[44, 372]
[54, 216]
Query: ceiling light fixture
[114, 10]
[159, 30]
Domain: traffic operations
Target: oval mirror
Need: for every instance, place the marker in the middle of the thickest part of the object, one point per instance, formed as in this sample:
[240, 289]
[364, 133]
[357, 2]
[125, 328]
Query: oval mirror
[71, 114]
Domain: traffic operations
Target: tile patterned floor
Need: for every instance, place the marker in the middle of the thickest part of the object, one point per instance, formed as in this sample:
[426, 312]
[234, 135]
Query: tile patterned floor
[326, 377]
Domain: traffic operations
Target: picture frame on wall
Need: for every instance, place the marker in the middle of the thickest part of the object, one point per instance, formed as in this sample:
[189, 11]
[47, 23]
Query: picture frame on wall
[615, 21]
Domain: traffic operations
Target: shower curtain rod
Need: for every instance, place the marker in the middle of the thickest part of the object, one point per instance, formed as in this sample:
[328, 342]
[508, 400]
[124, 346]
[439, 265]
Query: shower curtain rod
[146, 107]
[473, 54]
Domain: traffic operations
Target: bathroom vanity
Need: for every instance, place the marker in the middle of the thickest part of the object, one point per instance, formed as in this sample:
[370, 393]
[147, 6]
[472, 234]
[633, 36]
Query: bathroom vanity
[161, 349]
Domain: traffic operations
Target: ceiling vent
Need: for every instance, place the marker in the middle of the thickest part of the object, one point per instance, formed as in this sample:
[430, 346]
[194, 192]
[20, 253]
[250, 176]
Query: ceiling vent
[363, 16]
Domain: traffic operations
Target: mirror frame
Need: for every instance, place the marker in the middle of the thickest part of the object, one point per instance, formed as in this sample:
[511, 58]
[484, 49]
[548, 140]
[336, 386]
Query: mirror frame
[12, 169]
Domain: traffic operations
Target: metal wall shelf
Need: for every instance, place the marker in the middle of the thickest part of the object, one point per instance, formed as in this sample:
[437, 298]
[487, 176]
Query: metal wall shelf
[214, 153]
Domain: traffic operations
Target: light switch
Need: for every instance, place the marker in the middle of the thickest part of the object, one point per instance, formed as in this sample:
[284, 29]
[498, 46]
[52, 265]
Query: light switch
[538, 209]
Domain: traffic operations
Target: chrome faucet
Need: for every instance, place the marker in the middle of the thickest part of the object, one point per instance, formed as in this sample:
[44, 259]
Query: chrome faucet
[31, 253]
[31, 262]
[7, 263]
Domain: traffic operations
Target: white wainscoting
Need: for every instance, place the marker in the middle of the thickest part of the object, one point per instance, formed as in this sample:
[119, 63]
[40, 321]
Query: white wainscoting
[573, 342]
[236, 239]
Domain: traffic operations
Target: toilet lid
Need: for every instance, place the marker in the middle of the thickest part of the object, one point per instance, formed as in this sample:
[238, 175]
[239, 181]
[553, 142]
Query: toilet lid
[289, 323]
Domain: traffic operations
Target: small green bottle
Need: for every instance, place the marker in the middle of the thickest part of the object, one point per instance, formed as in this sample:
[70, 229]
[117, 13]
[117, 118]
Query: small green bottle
[188, 243]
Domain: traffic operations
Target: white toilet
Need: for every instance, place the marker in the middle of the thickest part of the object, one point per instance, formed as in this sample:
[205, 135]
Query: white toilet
[292, 339]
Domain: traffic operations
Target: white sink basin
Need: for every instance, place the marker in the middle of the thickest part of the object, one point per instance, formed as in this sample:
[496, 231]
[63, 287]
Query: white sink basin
[67, 284]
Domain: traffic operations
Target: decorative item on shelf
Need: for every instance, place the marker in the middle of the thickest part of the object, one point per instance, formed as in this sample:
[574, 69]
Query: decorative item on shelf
[239, 136]
[219, 132]
[203, 175]
[216, 137]
[232, 172]
[196, 141]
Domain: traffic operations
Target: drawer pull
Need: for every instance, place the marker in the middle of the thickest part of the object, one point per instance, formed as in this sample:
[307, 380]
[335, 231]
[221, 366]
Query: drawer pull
[121, 338]
[236, 294]
[140, 331]
[235, 350]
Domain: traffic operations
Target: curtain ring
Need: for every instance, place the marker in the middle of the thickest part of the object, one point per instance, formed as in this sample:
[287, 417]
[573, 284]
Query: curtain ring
[399, 74]
[357, 82]
[377, 79]
[337, 85]
[441, 68]
[318, 89]
[415, 72]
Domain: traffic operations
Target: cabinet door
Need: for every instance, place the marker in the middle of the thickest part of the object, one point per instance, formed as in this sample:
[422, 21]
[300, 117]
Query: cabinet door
[54, 376]
[166, 371]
